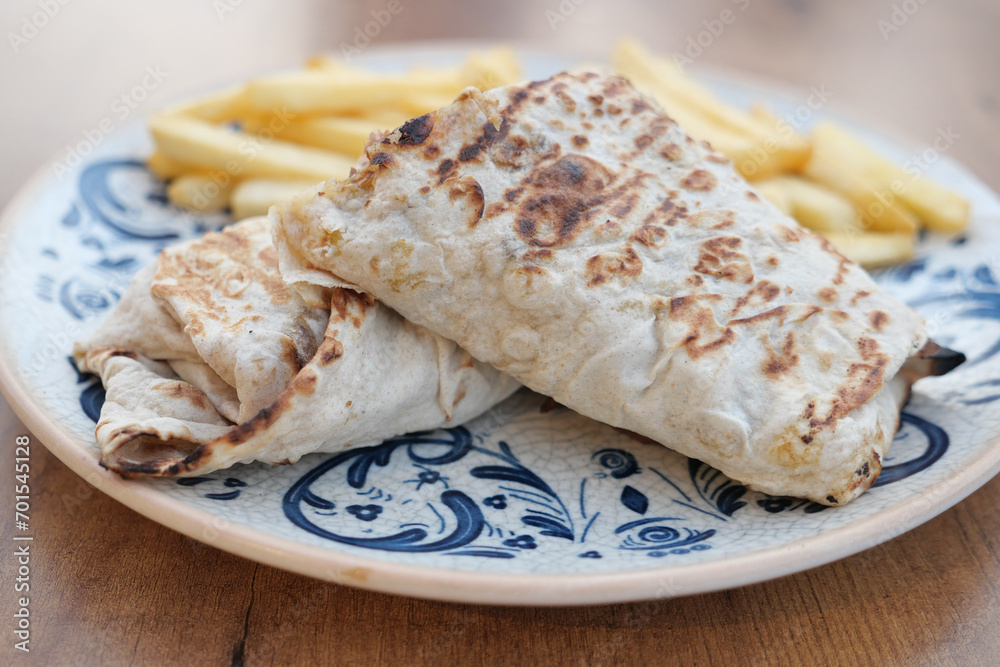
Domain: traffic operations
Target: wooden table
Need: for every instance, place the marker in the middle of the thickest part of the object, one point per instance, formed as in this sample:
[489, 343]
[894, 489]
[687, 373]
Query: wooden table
[111, 587]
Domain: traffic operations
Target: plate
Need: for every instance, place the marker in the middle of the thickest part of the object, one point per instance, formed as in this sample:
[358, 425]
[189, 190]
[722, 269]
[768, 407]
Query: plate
[524, 505]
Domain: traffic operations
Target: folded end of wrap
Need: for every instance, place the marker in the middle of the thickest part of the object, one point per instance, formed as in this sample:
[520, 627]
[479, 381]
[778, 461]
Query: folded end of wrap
[311, 283]
[151, 456]
[931, 361]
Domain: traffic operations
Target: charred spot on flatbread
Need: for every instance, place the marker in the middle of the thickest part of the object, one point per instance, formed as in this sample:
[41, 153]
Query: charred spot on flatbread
[704, 334]
[721, 257]
[558, 199]
[624, 266]
[700, 179]
[415, 131]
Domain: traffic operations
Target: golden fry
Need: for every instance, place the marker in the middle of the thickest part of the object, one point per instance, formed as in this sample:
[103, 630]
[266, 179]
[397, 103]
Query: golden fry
[835, 167]
[496, 67]
[941, 209]
[332, 87]
[773, 192]
[340, 134]
[165, 168]
[319, 91]
[874, 249]
[813, 205]
[759, 147]
[753, 160]
[230, 104]
[198, 192]
[255, 196]
[636, 62]
[239, 154]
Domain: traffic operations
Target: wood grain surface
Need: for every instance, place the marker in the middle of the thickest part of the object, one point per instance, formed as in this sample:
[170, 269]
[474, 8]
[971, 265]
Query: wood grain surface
[111, 587]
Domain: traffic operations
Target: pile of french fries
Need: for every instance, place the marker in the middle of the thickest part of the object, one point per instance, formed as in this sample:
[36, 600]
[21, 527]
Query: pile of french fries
[255, 145]
[870, 209]
[252, 146]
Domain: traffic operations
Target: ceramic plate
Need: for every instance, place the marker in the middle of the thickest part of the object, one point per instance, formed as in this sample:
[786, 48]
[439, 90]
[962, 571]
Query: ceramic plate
[523, 505]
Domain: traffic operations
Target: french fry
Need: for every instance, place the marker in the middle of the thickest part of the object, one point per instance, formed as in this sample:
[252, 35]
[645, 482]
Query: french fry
[279, 159]
[419, 104]
[381, 119]
[942, 210]
[165, 168]
[781, 139]
[735, 146]
[637, 63]
[813, 205]
[751, 159]
[198, 192]
[230, 104]
[331, 64]
[332, 87]
[634, 60]
[320, 91]
[772, 191]
[836, 166]
[766, 160]
[336, 133]
[256, 196]
[874, 249]
[724, 140]
[207, 146]
[758, 148]
[496, 67]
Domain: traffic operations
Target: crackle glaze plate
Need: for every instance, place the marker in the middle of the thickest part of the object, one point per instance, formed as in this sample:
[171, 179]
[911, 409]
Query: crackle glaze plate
[523, 505]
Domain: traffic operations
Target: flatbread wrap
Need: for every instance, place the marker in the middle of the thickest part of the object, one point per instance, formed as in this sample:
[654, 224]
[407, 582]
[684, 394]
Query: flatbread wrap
[210, 360]
[569, 233]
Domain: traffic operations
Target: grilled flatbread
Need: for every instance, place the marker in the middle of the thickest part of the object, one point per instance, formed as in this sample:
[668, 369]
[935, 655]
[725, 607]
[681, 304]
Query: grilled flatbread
[569, 233]
[210, 360]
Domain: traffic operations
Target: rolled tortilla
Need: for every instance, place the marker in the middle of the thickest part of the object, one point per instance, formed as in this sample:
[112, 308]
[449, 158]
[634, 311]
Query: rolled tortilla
[210, 360]
[568, 232]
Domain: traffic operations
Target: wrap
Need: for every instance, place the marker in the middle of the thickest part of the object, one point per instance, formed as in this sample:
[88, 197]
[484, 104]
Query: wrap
[569, 233]
[210, 360]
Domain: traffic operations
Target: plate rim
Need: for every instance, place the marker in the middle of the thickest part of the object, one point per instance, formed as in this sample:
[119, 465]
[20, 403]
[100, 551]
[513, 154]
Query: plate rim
[484, 587]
